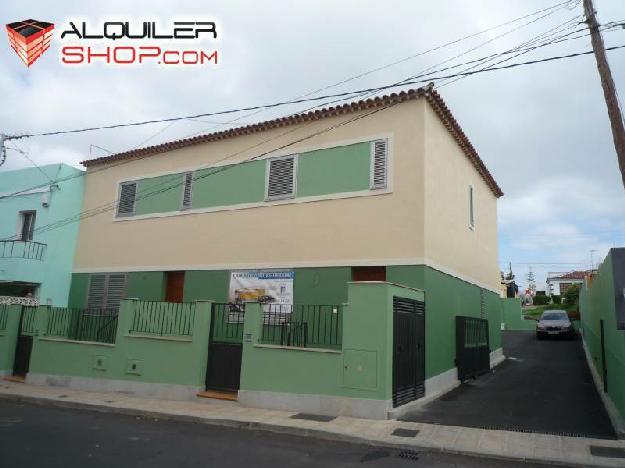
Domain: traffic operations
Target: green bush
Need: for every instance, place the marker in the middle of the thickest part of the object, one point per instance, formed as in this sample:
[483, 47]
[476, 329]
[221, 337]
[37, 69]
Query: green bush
[556, 300]
[541, 300]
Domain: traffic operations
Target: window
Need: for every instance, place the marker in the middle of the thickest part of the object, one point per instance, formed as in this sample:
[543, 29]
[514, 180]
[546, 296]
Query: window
[379, 157]
[106, 290]
[27, 225]
[471, 208]
[187, 193]
[127, 196]
[281, 178]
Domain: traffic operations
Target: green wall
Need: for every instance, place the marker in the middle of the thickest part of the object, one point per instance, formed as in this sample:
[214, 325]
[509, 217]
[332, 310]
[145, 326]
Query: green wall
[321, 285]
[8, 338]
[597, 303]
[512, 316]
[159, 360]
[320, 172]
[146, 285]
[206, 285]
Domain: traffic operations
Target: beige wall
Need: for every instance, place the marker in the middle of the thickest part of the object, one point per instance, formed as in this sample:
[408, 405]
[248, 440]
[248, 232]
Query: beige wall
[381, 229]
[449, 242]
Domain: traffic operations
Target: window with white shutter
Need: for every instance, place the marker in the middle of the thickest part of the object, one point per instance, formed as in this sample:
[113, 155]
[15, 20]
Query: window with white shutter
[106, 290]
[127, 195]
[187, 192]
[379, 164]
[281, 178]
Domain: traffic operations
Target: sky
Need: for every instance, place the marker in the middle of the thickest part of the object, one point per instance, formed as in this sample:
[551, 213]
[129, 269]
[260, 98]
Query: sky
[542, 130]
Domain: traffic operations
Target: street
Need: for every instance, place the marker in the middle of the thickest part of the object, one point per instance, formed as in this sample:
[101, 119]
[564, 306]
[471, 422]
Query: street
[542, 386]
[41, 436]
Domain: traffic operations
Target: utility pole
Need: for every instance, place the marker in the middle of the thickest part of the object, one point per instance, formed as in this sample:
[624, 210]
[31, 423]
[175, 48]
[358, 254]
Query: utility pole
[607, 82]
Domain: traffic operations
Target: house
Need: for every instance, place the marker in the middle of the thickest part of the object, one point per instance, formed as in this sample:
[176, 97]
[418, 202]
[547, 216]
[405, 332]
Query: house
[367, 232]
[36, 263]
[559, 282]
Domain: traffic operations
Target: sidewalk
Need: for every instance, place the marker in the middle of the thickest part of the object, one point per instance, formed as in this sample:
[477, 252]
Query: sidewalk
[570, 451]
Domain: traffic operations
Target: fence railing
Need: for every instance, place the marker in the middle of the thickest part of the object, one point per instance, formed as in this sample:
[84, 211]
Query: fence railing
[97, 325]
[303, 326]
[22, 249]
[27, 321]
[227, 323]
[163, 318]
[4, 316]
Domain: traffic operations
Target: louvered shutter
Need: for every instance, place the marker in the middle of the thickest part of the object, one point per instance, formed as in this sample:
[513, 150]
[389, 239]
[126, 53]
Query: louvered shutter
[115, 290]
[97, 292]
[379, 153]
[187, 193]
[127, 194]
[281, 180]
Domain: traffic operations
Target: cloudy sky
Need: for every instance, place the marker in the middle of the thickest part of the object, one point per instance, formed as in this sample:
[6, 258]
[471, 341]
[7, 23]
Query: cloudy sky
[542, 130]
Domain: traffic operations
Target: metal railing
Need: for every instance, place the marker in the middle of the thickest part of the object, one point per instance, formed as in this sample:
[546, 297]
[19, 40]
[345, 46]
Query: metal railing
[27, 321]
[227, 322]
[163, 318]
[96, 325]
[303, 326]
[4, 316]
[22, 249]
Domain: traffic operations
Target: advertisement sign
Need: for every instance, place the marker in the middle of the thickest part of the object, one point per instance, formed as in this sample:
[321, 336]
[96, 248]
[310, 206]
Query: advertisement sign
[267, 286]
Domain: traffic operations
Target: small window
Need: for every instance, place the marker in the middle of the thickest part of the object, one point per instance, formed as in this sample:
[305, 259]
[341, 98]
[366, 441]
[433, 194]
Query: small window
[106, 290]
[281, 178]
[188, 191]
[471, 208]
[27, 225]
[379, 157]
[127, 195]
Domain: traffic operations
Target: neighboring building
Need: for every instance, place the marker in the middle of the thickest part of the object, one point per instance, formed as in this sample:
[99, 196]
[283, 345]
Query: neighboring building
[558, 282]
[388, 189]
[37, 262]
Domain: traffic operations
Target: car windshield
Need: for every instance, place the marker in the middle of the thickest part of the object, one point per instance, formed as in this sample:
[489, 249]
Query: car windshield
[555, 316]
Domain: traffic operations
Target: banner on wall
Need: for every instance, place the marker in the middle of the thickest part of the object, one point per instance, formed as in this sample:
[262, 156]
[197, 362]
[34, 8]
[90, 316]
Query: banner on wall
[267, 286]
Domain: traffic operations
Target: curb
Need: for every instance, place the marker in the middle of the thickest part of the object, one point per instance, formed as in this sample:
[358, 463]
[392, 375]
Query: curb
[277, 429]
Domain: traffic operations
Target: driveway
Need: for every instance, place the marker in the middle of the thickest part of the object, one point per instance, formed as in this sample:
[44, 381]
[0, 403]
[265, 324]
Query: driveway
[543, 386]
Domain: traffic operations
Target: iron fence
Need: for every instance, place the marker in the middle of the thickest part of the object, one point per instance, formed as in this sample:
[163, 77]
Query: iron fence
[163, 318]
[22, 249]
[97, 325]
[303, 326]
[27, 322]
[227, 322]
[4, 316]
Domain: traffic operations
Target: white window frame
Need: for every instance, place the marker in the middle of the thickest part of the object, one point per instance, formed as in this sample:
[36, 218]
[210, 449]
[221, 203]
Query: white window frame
[184, 183]
[295, 158]
[119, 200]
[472, 216]
[372, 185]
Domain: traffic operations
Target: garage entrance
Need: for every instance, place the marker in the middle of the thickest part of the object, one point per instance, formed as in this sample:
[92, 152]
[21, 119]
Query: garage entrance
[543, 386]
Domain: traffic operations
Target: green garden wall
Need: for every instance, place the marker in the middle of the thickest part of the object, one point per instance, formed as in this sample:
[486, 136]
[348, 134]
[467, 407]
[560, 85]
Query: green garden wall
[165, 360]
[512, 316]
[8, 338]
[363, 369]
[597, 302]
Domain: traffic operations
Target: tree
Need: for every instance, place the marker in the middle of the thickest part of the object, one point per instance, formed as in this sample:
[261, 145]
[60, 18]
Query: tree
[531, 281]
[571, 296]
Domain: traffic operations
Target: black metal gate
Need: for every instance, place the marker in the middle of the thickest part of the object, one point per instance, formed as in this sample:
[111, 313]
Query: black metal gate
[472, 347]
[223, 371]
[24, 344]
[409, 352]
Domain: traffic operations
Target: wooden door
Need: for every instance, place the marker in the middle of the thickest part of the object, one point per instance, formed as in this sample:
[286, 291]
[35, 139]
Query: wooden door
[369, 273]
[174, 291]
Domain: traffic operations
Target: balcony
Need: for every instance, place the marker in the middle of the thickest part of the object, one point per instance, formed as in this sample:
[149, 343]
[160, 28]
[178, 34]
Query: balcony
[22, 261]
[28, 250]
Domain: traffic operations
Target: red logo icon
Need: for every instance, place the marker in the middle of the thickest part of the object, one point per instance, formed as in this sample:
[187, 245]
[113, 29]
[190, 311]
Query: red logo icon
[30, 39]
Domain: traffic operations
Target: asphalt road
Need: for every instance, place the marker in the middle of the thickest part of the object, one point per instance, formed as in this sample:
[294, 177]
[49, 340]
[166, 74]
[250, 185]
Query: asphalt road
[544, 386]
[37, 436]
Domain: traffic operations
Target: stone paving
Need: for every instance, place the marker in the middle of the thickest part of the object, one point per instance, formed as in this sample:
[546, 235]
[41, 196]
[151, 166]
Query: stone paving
[571, 451]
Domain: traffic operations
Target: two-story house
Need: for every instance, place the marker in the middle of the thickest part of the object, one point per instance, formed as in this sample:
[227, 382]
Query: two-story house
[36, 262]
[385, 189]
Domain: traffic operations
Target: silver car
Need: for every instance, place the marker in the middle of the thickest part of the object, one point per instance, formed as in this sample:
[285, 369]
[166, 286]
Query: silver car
[554, 323]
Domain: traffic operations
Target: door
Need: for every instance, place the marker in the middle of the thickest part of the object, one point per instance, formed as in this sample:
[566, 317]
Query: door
[24, 345]
[369, 273]
[604, 366]
[223, 369]
[409, 350]
[472, 347]
[174, 291]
